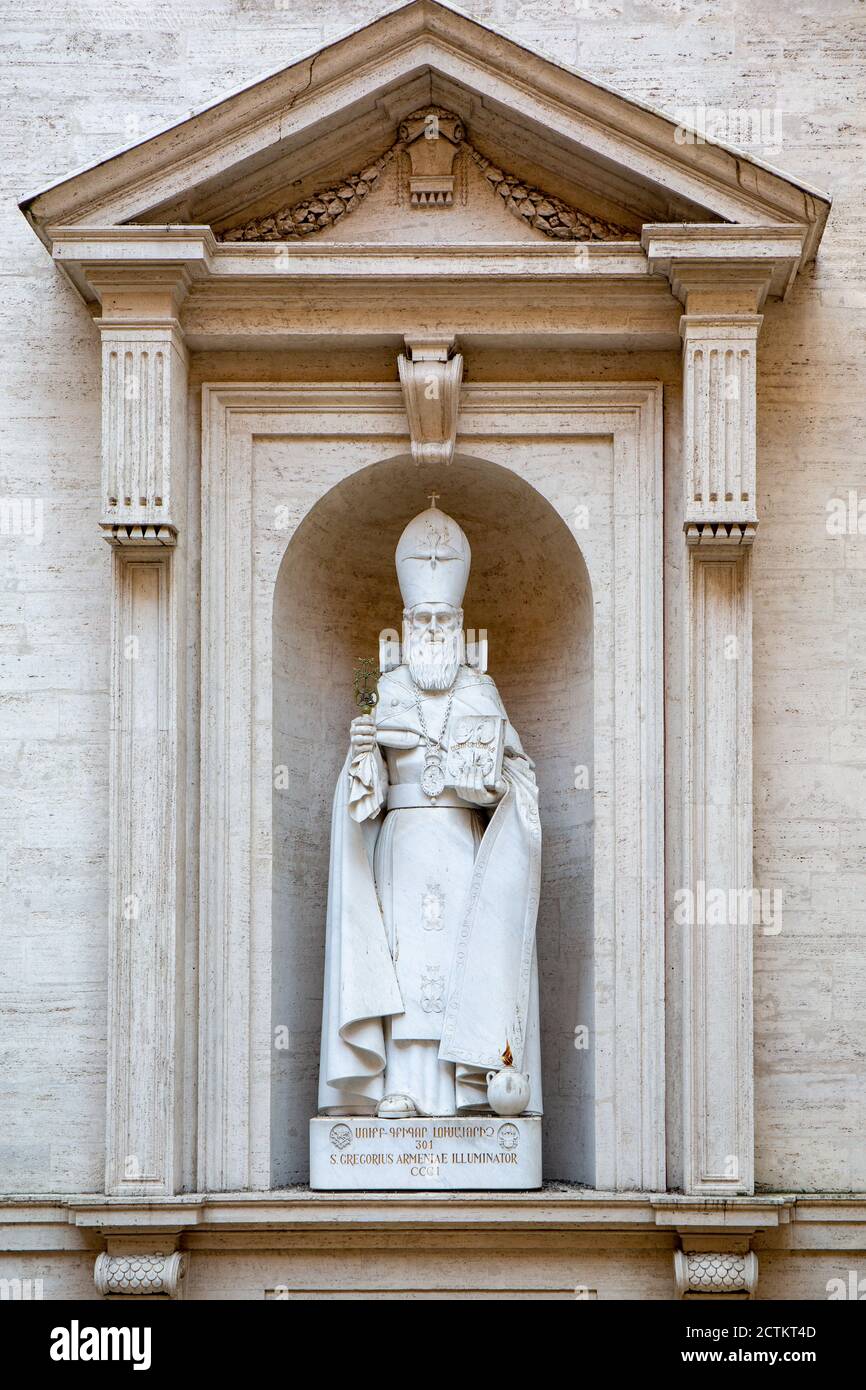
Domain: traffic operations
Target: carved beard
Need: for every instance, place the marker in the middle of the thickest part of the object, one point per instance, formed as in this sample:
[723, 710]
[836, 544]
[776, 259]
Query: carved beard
[434, 661]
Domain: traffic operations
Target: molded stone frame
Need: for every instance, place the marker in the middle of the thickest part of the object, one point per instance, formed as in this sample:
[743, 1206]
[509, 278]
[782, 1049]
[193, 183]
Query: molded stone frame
[235, 922]
[722, 275]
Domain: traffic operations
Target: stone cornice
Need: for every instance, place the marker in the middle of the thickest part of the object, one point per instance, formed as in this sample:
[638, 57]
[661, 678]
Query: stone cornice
[755, 261]
[256, 292]
[615, 294]
[553, 1208]
[723, 254]
[96, 258]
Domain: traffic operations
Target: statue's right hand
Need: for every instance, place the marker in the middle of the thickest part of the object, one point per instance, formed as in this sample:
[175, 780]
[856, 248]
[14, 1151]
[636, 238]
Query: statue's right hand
[362, 734]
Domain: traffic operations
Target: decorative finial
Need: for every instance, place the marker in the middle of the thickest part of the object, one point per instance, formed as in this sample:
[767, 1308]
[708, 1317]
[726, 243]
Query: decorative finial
[433, 498]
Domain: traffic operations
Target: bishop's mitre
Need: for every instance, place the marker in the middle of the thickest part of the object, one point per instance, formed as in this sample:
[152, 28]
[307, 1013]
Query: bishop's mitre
[433, 559]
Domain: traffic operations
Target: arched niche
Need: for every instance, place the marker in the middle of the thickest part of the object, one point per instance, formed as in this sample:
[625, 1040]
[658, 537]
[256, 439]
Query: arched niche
[335, 591]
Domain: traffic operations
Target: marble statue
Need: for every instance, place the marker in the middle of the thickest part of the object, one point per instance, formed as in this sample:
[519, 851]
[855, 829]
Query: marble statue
[431, 978]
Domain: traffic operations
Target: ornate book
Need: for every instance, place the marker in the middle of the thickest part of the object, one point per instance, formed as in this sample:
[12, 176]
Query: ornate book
[477, 741]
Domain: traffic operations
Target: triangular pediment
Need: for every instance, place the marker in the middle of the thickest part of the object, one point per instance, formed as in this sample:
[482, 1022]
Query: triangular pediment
[543, 153]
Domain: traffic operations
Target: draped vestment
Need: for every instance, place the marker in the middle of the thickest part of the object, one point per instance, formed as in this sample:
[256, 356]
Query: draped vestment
[430, 962]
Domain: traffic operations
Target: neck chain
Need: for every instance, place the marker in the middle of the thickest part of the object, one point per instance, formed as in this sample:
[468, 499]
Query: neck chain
[433, 776]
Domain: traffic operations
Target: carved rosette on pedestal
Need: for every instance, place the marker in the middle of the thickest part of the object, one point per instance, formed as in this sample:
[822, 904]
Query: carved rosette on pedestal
[140, 1275]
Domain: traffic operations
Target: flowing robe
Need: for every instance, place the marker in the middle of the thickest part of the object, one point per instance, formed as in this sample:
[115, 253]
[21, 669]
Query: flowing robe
[430, 962]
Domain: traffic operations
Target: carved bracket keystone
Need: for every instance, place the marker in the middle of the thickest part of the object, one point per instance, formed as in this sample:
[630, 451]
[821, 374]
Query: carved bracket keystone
[430, 374]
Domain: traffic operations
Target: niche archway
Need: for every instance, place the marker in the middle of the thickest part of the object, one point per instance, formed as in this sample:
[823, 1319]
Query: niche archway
[335, 591]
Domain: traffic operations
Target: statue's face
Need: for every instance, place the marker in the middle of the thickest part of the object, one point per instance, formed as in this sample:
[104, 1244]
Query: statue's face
[435, 644]
[435, 620]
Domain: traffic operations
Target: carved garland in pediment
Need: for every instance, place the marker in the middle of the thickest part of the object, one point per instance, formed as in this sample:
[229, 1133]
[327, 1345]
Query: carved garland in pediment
[547, 214]
[314, 214]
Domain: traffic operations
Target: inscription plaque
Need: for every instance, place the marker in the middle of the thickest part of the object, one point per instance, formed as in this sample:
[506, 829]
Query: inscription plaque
[447, 1152]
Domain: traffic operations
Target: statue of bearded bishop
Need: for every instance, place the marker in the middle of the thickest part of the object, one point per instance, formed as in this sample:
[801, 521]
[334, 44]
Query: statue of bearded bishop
[430, 964]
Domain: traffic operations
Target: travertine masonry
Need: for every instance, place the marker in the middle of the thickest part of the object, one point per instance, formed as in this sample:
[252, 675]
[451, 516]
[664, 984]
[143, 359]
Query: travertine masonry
[80, 87]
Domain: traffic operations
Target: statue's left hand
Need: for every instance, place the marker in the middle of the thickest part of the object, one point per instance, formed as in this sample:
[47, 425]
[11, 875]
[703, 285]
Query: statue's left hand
[473, 789]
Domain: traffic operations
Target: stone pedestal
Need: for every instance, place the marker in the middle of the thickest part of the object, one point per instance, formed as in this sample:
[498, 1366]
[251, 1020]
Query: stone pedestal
[448, 1153]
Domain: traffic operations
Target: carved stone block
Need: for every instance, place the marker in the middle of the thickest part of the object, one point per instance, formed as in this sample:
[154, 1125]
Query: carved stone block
[432, 138]
[719, 421]
[140, 1275]
[711, 1274]
[423, 1154]
[430, 374]
[143, 434]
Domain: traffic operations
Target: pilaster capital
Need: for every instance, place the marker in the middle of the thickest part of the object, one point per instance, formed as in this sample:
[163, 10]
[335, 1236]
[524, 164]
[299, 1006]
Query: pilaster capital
[732, 328]
[142, 272]
[145, 367]
[719, 422]
[140, 295]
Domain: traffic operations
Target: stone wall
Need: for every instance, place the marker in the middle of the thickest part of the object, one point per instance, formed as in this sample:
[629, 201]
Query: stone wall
[85, 78]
